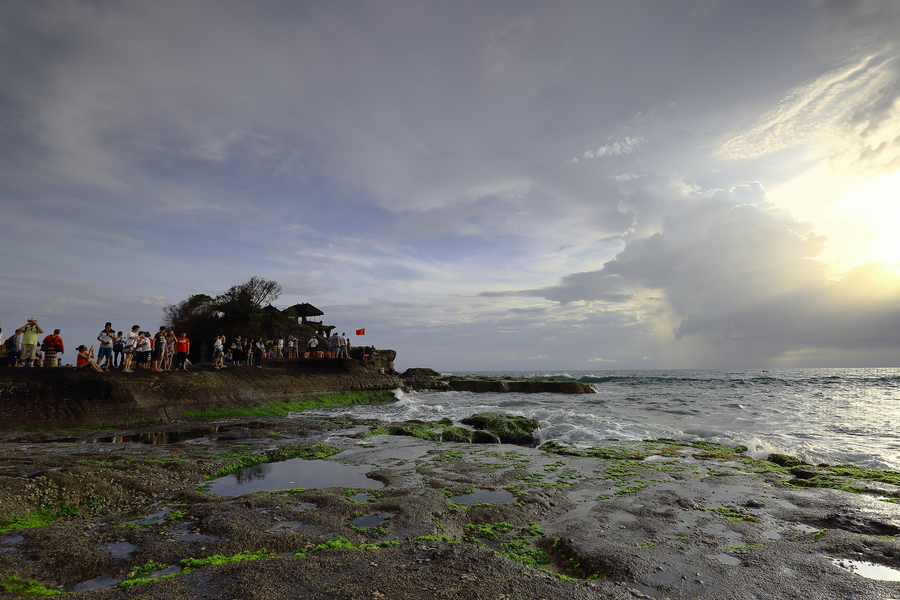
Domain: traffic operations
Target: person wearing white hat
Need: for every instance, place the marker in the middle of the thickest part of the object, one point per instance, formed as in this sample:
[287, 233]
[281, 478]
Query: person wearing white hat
[29, 333]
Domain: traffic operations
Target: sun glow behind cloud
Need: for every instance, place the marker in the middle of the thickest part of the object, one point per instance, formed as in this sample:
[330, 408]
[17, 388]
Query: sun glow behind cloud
[842, 130]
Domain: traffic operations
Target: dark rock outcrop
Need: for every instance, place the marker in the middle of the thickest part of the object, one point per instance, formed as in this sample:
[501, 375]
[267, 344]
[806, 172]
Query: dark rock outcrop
[54, 398]
[524, 386]
[422, 379]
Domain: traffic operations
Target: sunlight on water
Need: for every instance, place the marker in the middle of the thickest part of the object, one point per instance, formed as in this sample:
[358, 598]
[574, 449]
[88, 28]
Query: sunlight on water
[868, 569]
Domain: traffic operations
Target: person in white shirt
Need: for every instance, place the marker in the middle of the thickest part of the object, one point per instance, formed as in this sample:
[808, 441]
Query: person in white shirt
[131, 347]
[219, 352]
[106, 339]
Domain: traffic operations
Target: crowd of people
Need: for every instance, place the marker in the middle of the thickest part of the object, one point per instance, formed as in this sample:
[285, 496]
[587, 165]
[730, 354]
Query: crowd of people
[162, 351]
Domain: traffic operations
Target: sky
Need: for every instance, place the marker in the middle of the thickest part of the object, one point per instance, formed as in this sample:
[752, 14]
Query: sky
[506, 185]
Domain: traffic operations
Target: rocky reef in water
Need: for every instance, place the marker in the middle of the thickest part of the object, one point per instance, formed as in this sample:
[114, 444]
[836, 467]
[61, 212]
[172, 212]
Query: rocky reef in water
[429, 379]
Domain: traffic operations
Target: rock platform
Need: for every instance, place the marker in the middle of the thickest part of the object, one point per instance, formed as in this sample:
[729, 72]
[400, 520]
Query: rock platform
[97, 513]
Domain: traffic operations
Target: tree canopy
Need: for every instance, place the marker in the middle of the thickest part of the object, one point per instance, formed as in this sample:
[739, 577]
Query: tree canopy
[239, 311]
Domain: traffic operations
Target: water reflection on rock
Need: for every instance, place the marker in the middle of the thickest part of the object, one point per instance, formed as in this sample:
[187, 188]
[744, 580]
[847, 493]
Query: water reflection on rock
[293, 473]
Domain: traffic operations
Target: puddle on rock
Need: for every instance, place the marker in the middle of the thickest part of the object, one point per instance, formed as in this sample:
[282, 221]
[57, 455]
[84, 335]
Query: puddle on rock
[175, 437]
[95, 585]
[362, 497]
[486, 497]
[734, 538]
[646, 590]
[290, 527]
[726, 559]
[152, 519]
[664, 577]
[373, 520]
[9, 544]
[293, 473]
[184, 536]
[118, 549]
[867, 569]
[303, 507]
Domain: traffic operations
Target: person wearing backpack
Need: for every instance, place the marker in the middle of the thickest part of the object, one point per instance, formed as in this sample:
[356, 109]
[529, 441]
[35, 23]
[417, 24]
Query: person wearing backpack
[52, 345]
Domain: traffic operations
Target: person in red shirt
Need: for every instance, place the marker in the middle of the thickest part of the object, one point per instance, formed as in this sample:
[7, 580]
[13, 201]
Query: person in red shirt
[84, 360]
[182, 347]
[53, 344]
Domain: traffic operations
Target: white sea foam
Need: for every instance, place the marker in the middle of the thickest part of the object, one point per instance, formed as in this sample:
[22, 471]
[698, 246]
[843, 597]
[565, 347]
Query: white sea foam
[819, 415]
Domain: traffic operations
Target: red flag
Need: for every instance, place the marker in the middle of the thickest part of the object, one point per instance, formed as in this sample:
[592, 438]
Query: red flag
[361, 331]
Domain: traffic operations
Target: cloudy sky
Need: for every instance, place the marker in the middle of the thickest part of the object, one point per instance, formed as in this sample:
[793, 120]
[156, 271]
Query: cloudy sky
[506, 185]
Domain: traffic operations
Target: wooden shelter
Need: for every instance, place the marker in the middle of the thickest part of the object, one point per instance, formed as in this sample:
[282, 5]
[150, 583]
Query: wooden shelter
[306, 310]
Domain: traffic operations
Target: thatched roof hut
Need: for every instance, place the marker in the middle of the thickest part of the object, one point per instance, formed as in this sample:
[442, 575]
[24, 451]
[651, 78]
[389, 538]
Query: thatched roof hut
[306, 310]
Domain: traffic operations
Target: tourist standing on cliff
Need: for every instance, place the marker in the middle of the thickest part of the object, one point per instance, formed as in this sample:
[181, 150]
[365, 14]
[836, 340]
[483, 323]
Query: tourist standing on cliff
[237, 351]
[118, 350]
[29, 333]
[311, 347]
[146, 346]
[131, 348]
[52, 344]
[334, 344]
[182, 347]
[159, 349]
[259, 351]
[218, 352]
[106, 339]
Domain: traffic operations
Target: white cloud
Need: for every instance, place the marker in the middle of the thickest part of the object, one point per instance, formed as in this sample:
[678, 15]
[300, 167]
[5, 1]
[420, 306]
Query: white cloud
[741, 274]
[626, 145]
[852, 113]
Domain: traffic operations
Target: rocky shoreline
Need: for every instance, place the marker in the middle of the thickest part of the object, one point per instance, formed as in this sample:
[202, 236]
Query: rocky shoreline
[87, 512]
[57, 398]
[337, 507]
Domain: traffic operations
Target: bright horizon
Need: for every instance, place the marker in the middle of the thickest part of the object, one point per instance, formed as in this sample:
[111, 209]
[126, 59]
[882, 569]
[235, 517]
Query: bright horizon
[507, 187]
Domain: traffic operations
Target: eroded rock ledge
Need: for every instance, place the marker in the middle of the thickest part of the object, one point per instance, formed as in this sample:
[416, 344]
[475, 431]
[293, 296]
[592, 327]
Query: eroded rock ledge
[56, 398]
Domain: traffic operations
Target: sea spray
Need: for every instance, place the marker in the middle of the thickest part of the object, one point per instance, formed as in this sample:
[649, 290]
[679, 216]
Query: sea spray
[821, 415]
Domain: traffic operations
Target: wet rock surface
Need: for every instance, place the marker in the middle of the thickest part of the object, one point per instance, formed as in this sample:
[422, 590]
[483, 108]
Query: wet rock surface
[88, 514]
[483, 384]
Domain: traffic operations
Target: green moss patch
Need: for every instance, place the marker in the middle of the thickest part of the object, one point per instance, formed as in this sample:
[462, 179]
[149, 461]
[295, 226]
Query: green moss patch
[340, 543]
[26, 587]
[192, 564]
[510, 429]
[283, 408]
[242, 461]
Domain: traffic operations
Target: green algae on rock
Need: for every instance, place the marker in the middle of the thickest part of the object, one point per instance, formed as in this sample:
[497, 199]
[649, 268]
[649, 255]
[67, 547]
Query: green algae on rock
[508, 428]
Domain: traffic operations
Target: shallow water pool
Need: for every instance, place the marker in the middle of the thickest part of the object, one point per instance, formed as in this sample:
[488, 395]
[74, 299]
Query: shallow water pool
[291, 474]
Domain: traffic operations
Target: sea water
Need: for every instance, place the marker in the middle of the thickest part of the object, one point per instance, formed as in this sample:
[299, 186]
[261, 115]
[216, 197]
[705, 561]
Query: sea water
[820, 415]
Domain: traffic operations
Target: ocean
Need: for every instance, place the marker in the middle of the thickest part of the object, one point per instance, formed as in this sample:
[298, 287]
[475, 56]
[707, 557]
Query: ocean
[833, 416]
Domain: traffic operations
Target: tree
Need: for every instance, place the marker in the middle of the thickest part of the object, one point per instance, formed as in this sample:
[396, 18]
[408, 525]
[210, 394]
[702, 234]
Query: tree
[257, 292]
[239, 311]
[196, 306]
